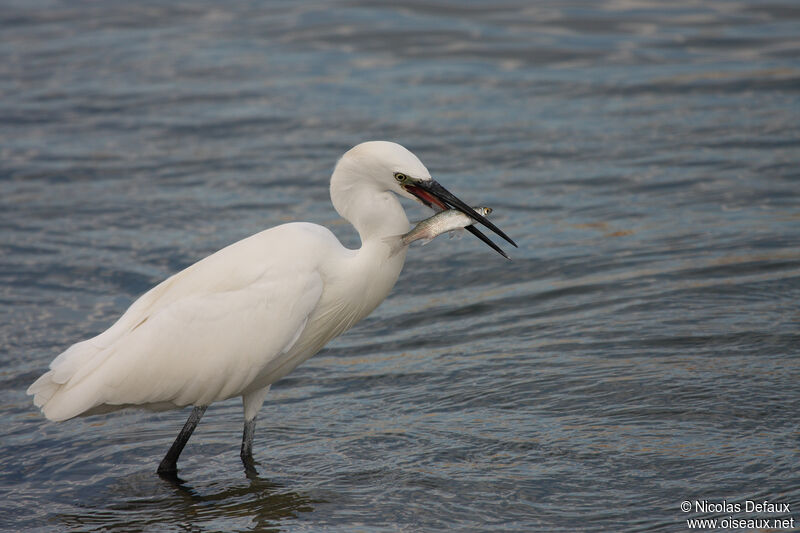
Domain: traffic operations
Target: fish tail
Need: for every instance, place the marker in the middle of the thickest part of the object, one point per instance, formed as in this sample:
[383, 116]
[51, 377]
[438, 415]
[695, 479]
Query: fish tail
[395, 244]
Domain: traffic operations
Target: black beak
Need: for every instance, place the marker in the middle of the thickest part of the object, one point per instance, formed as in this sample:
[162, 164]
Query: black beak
[437, 197]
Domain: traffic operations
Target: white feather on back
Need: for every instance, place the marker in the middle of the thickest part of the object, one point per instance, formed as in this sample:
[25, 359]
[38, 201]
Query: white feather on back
[215, 317]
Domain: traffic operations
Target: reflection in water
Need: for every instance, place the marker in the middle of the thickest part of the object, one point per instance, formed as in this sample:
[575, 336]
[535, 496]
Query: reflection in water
[143, 501]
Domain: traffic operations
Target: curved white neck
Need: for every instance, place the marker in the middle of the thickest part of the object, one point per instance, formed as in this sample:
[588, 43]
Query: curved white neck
[375, 213]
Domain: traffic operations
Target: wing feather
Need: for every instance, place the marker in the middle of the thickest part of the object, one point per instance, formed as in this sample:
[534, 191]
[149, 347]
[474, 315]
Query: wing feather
[200, 336]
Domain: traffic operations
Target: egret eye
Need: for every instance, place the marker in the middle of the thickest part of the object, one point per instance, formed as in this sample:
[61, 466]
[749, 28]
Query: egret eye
[399, 176]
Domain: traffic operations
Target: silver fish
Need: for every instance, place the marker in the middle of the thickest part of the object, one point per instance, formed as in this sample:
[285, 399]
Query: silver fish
[442, 222]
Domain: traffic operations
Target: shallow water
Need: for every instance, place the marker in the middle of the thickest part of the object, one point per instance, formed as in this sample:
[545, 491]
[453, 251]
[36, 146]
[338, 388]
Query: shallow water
[640, 350]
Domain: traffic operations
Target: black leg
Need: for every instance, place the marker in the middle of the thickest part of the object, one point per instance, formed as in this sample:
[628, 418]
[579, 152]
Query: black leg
[169, 465]
[247, 446]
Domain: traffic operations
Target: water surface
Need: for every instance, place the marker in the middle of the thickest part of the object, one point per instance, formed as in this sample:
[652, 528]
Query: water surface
[640, 350]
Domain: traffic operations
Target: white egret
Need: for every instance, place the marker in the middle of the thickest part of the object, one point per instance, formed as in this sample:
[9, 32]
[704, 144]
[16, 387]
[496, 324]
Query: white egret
[242, 318]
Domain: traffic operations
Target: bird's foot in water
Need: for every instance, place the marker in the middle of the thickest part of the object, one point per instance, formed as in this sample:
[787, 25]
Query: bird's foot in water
[249, 465]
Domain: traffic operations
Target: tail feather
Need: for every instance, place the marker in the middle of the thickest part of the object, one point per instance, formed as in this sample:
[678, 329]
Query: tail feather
[56, 392]
[43, 389]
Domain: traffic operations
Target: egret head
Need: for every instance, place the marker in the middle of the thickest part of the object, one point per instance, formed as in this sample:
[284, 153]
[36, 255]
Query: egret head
[390, 167]
[382, 164]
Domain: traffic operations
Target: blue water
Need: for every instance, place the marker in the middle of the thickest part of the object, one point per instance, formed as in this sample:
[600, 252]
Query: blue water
[641, 349]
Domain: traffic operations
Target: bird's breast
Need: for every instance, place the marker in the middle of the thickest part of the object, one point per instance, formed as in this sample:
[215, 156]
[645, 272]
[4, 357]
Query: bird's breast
[355, 282]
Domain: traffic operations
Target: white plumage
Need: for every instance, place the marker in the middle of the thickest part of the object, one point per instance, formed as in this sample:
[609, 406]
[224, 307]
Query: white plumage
[242, 318]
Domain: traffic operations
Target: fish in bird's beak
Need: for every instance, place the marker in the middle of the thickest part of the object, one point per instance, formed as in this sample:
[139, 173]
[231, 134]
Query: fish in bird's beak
[430, 193]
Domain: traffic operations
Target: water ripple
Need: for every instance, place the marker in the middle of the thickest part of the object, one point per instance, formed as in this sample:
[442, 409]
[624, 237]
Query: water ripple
[640, 349]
